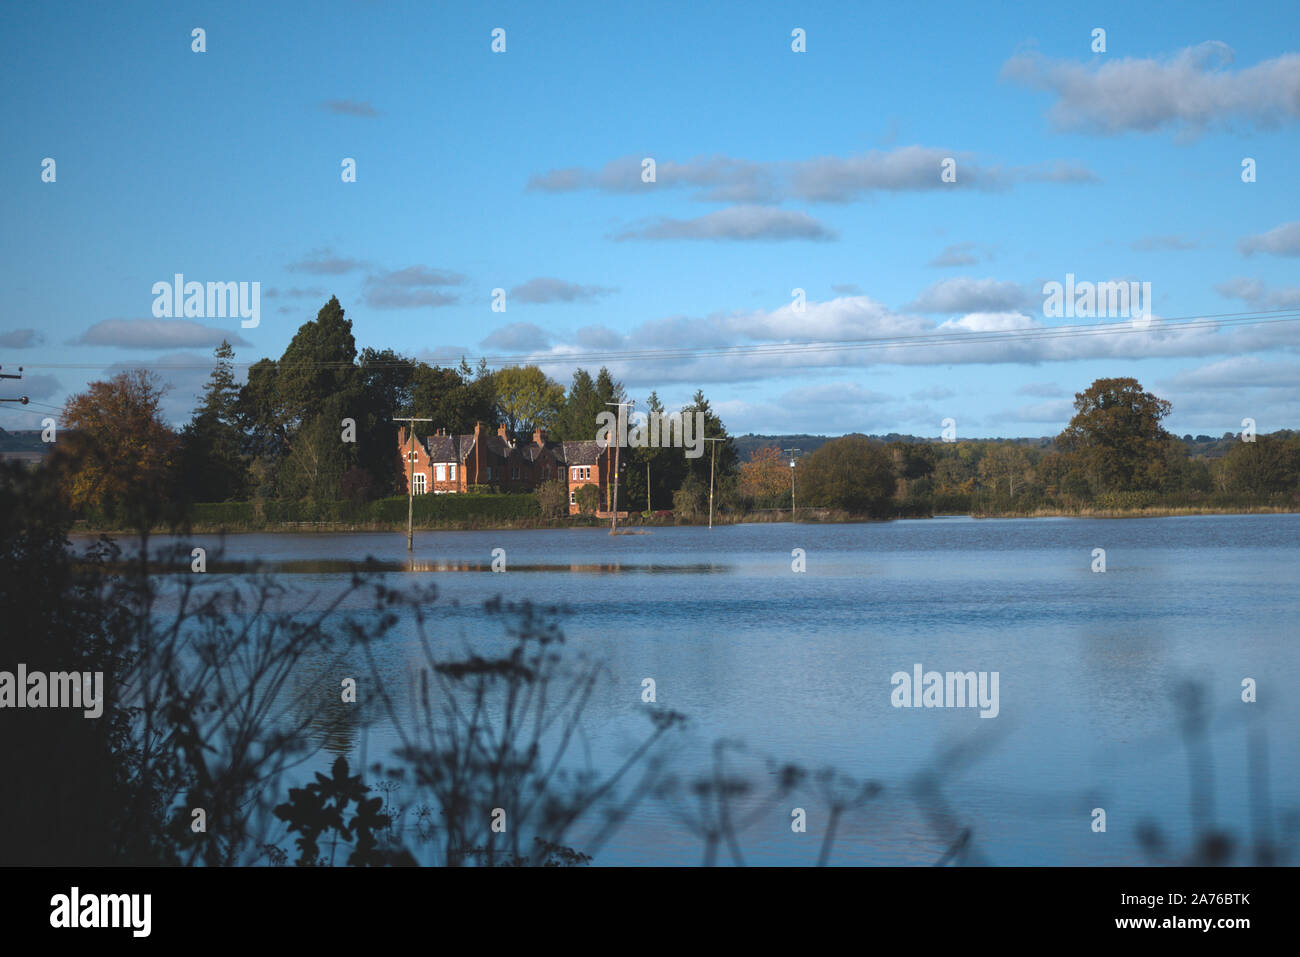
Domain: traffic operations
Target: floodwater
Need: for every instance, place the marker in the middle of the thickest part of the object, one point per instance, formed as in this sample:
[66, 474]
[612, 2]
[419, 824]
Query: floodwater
[1093, 670]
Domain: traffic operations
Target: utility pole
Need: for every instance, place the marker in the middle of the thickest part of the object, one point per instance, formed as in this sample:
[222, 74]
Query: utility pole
[713, 457]
[794, 454]
[647, 488]
[619, 431]
[410, 484]
[22, 399]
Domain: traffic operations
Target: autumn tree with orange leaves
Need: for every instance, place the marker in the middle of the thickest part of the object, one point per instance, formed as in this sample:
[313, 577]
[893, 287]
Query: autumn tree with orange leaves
[765, 478]
[116, 452]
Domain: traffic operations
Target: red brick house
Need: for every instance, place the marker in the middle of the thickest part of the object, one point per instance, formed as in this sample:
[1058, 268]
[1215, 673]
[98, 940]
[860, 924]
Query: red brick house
[453, 463]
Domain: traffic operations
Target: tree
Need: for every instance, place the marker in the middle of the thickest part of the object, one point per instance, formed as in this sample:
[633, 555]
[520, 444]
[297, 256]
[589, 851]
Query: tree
[851, 473]
[454, 398]
[553, 497]
[1116, 437]
[1006, 465]
[667, 467]
[720, 458]
[387, 381]
[764, 478]
[1263, 467]
[691, 500]
[527, 398]
[117, 455]
[318, 365]
[294, 409]
[609, 389]
[576, 419]
[213, 467]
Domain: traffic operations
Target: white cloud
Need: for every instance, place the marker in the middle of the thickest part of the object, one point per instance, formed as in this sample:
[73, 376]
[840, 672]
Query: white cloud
[1190, 90]
[1282, 240]
[1256, 294]
[821, 179]
[973, 295]
[157, 334]
[544, 289]
[738, 223]
[518, 337]
[411, 287]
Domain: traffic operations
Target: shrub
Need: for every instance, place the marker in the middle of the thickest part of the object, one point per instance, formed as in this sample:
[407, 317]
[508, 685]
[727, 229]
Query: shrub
[588, 499]
[553, 498]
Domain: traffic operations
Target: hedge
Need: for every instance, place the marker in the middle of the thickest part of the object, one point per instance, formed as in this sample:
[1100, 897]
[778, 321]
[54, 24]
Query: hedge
[458, 507]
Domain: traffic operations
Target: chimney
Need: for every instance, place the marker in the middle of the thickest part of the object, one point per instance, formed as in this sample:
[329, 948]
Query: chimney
[539, 436]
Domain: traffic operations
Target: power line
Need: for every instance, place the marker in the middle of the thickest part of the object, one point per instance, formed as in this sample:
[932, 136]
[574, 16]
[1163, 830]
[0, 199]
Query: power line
[778, 349]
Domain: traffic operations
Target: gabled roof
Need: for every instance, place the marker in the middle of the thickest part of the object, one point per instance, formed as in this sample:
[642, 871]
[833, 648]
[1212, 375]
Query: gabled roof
[584, 452]
[458, 448]
[442, 448]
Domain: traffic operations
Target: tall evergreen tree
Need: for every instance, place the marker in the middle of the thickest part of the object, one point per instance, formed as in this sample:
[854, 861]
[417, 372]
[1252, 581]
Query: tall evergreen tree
[576, 420]
[213, 467]
[724, 459]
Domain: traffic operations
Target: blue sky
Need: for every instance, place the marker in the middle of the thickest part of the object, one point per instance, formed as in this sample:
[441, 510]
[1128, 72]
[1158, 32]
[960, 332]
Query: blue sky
[776, 170]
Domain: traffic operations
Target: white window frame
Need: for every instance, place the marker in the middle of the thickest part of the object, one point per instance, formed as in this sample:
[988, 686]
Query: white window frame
[453, 471]
[417, 485]
[442, 472]
[573, 497]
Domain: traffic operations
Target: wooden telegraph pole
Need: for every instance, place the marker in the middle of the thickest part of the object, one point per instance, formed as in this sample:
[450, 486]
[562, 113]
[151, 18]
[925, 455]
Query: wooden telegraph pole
[618, 431]
[410, 484]
[713, 458]
[794, 454]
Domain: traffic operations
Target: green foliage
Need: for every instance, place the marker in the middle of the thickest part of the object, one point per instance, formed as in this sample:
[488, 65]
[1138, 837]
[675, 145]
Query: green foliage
[456, 399]
[1125, 500]
[553, 498]
[526, 398]
[851, 473]
[1265, 466]
[588, 499]
[1116, 437]
[433, 509]
[224, 514]
[691, 500]
[212, 464]
[576, 419]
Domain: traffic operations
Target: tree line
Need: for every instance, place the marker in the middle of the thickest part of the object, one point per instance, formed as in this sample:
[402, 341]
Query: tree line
[1114, 454]
[318, 425]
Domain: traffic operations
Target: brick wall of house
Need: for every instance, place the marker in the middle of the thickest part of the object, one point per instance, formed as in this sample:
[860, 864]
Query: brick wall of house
[493, 460]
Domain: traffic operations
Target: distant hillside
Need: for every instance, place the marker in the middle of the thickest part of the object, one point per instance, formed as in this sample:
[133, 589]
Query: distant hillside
[749, 443]
[1198, 446]
[25, 440]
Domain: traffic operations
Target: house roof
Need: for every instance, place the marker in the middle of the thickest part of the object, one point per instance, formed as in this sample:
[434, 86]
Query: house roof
[458, 448]
[442, 448]
[584, 452]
